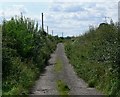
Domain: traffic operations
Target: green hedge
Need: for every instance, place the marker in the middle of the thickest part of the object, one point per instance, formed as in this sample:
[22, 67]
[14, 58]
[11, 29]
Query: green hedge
[25, 51]
[94, 56]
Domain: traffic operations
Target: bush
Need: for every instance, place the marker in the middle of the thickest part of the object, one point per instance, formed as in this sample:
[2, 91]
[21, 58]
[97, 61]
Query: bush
[25, 51]
[94, 56]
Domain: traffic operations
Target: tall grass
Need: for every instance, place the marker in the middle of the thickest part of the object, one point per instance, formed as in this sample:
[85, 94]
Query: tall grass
[94, 57]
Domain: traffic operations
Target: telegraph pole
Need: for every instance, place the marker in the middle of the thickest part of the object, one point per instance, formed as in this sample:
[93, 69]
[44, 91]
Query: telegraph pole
[47, 29]
[42, 23]
[105, 19]
[62, 34]
[52, 32]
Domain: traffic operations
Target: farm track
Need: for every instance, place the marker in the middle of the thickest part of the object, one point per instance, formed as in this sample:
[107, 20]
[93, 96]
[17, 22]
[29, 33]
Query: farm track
[46, 85]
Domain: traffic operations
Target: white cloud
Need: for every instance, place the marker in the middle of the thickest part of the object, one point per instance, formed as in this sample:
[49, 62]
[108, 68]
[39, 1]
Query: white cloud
[58, 1]
[72, 18]
[75, 17]
[13, 10]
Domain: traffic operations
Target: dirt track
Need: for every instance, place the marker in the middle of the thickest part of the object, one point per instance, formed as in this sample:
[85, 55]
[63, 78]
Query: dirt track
[46, 85]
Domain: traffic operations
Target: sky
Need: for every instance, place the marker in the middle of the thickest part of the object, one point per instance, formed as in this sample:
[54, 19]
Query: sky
[70, 17]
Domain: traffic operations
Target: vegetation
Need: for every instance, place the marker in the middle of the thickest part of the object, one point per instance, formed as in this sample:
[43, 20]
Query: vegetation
[95, 57]
[25, 50]
[63, 89]
[58, 66]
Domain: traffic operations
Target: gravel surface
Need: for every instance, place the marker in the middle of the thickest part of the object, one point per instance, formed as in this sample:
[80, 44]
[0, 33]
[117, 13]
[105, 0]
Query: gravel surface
[46, 85]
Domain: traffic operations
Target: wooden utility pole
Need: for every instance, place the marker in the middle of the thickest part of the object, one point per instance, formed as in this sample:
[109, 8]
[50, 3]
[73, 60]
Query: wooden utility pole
[52, 32]
[47, 29]
[42, 23]
[62, 34]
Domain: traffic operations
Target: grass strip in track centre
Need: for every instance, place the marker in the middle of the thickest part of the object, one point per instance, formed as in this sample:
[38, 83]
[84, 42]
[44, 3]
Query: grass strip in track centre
[62, 88]
[58, 65]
